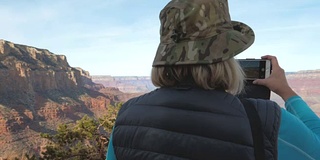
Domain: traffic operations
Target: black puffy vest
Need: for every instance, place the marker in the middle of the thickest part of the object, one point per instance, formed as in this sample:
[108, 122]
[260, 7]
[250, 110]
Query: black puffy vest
[193, 124]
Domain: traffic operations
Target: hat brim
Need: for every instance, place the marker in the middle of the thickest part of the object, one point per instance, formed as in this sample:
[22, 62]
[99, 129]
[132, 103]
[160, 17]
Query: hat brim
[214, 49]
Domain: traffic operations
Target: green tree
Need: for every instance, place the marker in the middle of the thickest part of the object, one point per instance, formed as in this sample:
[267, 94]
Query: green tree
[87, 139]
[108, 120]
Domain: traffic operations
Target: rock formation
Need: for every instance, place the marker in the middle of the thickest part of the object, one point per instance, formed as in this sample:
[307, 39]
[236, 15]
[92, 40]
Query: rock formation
[38, 90]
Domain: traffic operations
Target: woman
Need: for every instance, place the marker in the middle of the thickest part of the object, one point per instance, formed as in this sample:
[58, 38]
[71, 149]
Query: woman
[195, 114]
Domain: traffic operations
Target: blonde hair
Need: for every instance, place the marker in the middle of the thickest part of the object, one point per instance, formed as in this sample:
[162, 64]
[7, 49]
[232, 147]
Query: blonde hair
[226, 75]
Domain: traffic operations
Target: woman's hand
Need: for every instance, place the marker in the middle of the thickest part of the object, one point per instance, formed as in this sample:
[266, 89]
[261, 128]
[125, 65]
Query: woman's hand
[277, 81]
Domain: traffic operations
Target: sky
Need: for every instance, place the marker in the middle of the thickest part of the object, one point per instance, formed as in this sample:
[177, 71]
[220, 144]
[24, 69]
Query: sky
[120, 37]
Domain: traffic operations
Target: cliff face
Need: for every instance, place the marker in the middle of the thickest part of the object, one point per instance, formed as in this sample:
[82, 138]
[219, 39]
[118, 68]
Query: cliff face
[38, 89]
[26, 69]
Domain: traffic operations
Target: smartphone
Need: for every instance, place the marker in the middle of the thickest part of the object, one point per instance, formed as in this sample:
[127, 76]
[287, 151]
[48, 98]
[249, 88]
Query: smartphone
[255, 68]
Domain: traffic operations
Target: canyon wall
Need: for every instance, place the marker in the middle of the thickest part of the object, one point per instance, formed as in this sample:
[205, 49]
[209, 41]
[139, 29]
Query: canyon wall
[39, 90]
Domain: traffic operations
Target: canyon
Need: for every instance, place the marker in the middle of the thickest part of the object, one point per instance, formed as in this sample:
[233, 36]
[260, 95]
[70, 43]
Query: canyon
[305, 83]
[40, 90]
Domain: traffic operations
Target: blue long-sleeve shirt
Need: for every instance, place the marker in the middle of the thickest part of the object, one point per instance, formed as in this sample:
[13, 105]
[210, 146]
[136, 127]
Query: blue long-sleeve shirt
[110, 152]
[299, 134]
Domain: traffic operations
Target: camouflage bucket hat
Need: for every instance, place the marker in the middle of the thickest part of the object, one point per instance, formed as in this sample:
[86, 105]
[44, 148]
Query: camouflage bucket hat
[199, 32]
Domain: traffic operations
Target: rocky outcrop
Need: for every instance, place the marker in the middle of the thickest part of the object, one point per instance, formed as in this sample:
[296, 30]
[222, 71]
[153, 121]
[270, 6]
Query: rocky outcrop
[38, 89]
[25, 69]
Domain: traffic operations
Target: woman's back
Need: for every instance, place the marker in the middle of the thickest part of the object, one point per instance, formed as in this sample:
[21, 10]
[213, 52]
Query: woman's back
[171, 123]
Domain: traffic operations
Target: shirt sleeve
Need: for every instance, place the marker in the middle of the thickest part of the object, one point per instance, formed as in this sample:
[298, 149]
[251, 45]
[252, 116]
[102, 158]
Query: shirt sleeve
[298, 107]
[110, 152]
[299, 131]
